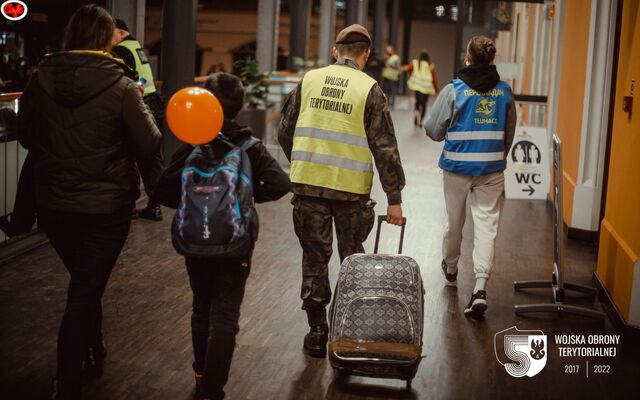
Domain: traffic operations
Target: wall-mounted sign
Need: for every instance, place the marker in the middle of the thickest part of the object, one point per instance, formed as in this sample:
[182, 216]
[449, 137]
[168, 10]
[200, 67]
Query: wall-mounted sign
[14, 10]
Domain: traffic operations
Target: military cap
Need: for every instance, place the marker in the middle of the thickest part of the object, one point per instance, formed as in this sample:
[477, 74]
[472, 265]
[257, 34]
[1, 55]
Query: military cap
[353, 34]
[120, 24]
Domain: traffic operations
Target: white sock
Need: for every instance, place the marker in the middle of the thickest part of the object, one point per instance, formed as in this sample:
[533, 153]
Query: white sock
[480, 284]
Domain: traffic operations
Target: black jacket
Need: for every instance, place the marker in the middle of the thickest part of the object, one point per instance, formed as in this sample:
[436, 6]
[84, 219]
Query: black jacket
[270, 182]
[86, 126]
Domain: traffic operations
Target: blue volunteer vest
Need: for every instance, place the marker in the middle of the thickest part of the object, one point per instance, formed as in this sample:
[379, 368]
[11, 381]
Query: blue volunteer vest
[474, 144]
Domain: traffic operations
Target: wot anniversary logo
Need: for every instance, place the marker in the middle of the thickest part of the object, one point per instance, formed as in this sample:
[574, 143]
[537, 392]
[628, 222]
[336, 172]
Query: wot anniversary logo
[524, 352]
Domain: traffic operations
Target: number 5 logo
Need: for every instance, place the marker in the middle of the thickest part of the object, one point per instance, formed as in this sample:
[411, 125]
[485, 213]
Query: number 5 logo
[522, 352]
[14, 10]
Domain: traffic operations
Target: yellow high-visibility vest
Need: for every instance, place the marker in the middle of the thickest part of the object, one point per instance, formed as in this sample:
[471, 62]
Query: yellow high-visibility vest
[330, 147]
[421, 79]
[391, 70]
[142, 64]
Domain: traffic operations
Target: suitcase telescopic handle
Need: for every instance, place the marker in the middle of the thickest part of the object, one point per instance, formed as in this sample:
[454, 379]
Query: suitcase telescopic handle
[383, 218]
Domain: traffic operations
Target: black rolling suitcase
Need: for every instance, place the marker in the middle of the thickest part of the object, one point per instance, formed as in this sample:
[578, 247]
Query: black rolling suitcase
[376, 315]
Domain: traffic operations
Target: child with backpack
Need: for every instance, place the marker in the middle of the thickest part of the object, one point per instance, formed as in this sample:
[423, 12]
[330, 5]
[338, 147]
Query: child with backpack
[215, 228]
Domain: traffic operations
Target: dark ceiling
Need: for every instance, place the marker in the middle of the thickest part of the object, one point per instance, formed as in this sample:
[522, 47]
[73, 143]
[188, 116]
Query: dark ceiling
[418, 9]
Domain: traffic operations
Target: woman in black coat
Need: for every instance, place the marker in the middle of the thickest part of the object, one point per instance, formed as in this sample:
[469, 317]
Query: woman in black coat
[87, 130]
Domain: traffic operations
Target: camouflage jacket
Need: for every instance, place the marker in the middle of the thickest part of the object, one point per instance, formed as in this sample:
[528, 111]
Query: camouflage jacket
[380, 135]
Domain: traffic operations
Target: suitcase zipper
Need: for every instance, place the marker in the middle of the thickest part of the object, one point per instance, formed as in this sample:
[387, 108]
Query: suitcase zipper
[350, 266]
[408, 310]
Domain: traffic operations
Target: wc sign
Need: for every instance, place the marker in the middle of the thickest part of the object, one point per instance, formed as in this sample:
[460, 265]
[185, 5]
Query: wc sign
[14, 10]
[528, 175]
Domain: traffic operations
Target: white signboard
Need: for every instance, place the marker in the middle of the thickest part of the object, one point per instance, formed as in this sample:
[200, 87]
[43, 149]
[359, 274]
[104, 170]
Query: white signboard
[528, 167]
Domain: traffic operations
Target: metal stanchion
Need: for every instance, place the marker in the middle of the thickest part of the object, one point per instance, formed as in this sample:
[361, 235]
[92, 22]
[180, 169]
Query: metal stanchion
[557, 283]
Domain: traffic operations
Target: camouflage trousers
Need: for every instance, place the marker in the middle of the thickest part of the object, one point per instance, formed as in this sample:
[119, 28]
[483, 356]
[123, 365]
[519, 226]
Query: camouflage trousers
[313, 220]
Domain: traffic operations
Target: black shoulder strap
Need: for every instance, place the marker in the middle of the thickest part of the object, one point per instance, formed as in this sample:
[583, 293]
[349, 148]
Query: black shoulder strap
[249, 143]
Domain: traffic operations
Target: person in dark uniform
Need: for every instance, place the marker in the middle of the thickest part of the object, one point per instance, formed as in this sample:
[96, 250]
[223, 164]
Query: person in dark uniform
[129, 50]
[332, 124]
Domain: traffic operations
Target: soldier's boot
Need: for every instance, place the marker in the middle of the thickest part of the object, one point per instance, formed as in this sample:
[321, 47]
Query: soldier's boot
[315, 342]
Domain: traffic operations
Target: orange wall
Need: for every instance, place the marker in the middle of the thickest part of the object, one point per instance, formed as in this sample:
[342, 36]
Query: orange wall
[574, 44]
[620, 229]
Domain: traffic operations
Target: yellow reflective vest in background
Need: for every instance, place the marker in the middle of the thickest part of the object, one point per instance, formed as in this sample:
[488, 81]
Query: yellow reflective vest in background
[330, 147]
[142, 64]
[391, 68]
[421, 79]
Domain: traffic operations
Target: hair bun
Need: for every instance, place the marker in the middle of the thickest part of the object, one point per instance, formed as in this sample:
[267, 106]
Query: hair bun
[481, 50]
[490, 48]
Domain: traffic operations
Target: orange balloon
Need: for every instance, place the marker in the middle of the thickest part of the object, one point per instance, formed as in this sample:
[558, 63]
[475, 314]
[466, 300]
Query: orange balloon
[194, 115]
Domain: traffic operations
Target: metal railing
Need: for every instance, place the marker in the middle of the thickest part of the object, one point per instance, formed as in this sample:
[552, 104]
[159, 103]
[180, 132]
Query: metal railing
[532, 110]
[12, 155]
[557, 282]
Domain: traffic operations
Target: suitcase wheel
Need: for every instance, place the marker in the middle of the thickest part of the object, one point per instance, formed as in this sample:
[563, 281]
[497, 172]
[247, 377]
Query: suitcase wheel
[409, 385]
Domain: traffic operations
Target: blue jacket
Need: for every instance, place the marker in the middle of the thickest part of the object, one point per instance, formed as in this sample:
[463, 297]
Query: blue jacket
[478, 128]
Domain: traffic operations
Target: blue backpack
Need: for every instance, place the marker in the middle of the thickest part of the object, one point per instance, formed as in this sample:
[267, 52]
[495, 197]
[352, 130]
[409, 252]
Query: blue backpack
[216, 217]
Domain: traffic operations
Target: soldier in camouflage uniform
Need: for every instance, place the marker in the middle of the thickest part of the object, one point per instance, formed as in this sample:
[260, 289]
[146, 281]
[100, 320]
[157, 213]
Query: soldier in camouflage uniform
[320, 202]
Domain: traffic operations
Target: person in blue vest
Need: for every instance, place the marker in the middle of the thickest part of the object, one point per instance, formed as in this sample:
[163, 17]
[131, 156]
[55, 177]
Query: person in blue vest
[128, 49]
[475, 115]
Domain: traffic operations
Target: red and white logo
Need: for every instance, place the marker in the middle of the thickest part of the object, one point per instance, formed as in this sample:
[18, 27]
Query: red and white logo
[14, 10]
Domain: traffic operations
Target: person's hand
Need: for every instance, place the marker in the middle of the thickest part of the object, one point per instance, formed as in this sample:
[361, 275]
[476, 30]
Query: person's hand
[394, 214]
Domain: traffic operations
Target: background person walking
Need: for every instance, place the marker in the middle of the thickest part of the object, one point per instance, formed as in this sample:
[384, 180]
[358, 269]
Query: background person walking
[332, 123]
[423, 83]
[390, 75]
[476, 117]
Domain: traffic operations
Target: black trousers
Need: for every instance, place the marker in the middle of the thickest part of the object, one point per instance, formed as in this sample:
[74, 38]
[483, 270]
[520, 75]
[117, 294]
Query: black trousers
[421, 104]
[89, 245]
[390, 87]
[151, 170]
[218, 290]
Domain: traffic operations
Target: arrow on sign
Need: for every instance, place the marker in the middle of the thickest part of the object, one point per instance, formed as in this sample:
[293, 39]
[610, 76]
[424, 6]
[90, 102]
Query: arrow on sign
[530, 190]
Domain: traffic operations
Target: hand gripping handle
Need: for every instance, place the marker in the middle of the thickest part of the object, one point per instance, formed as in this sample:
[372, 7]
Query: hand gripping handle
[382, 218]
